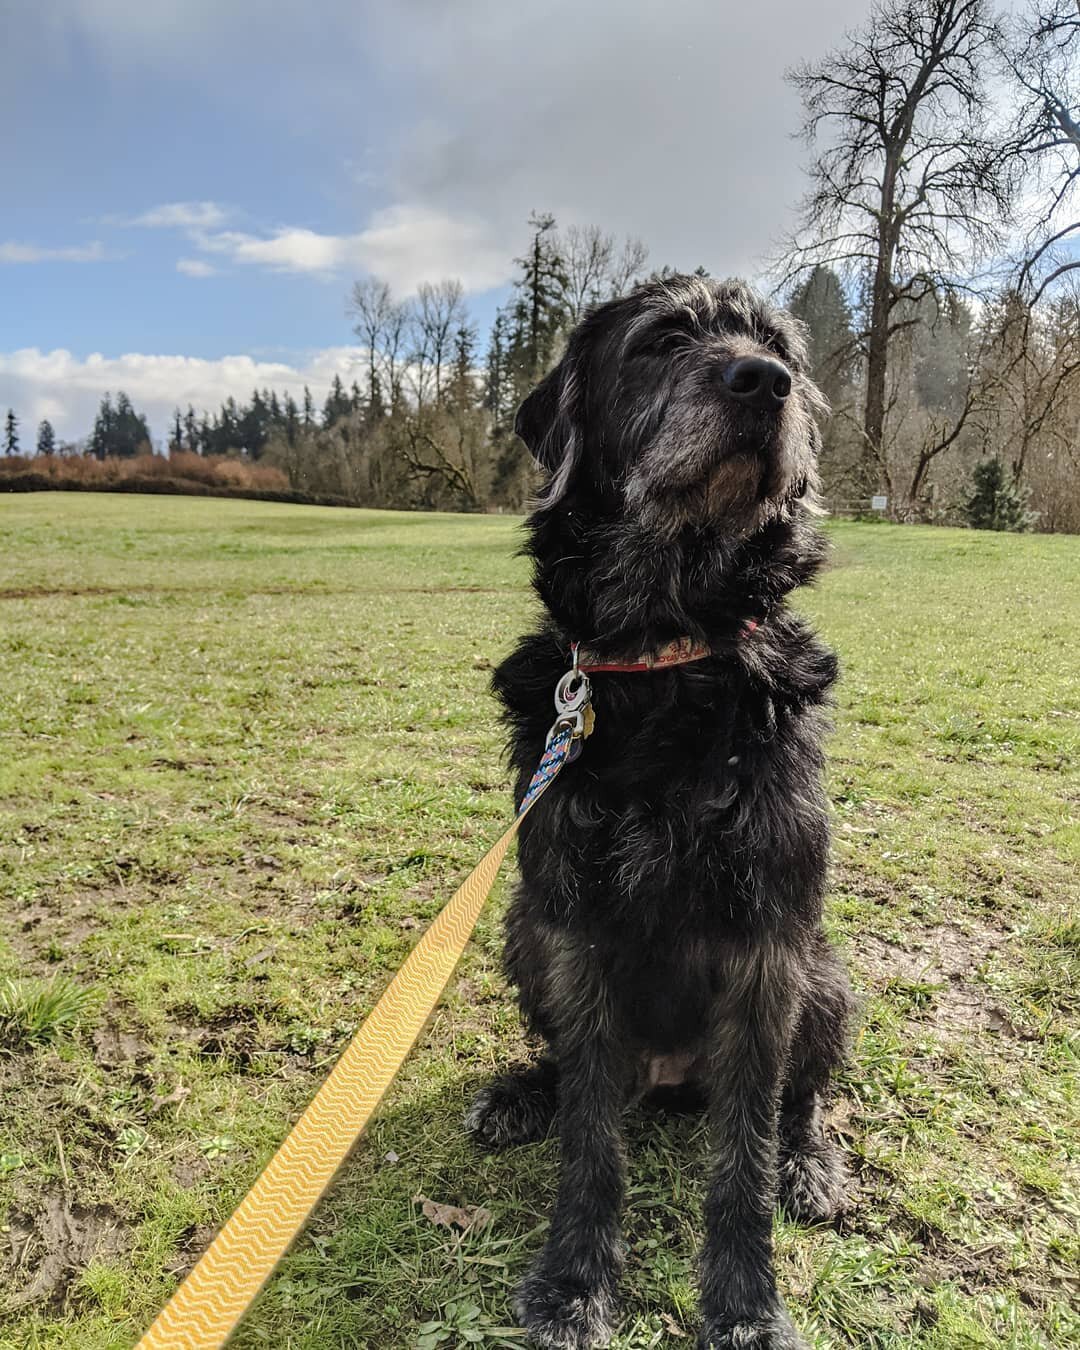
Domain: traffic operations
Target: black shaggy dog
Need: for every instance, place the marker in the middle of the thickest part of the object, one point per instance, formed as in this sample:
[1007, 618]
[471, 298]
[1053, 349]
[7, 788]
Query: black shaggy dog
[667, 926]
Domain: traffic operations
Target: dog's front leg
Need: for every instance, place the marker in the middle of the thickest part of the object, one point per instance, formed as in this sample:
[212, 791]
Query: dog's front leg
[750, 1037]
[569, 1297]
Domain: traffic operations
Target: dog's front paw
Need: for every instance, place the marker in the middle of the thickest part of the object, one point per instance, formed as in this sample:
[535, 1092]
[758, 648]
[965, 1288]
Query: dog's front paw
[774, 1332]
[813, 1182]
[564, 1315]
[510, 1111]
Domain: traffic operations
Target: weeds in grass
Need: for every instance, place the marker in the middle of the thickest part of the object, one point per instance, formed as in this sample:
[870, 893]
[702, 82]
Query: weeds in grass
[464, 1323]
[36, 1011]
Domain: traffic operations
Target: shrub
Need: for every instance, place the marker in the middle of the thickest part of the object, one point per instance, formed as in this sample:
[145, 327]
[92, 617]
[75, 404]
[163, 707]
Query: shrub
[997, 503]
[210, 471]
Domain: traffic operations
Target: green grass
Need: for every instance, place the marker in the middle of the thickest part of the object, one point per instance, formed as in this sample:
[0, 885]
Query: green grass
[247, 750]
[38, 1010]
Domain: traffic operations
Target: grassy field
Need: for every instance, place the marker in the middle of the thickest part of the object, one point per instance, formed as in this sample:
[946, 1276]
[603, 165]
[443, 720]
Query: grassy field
[246, 750]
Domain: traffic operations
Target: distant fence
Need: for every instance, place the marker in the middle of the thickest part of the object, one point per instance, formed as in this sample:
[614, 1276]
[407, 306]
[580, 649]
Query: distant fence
[853, 507]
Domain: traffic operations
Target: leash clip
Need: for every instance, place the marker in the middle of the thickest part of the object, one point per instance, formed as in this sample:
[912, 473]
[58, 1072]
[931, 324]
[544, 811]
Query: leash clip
[573, 693]
[573, 707]
[574, 720]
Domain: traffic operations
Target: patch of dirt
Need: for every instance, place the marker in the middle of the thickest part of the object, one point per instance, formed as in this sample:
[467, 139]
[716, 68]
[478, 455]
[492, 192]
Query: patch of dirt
[66, 921]
[188, 1171]
[847, 877]
[193, 1242]
[234, 1033]
[113, 1047]
[49, 592]
[45, 592]
[53, 1246]
[946, 961]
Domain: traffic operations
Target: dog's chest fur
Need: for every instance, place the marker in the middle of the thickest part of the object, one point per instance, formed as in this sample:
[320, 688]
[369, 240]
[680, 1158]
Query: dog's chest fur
[694, 818]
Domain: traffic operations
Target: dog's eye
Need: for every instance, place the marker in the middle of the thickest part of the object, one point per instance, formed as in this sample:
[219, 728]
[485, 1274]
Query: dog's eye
[658, 344]
[780, 348]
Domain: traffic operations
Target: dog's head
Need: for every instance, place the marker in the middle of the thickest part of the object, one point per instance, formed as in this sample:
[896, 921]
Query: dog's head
[686, 402]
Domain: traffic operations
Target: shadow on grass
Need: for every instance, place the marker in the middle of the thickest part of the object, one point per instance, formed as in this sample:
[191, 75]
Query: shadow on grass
[371, 1269]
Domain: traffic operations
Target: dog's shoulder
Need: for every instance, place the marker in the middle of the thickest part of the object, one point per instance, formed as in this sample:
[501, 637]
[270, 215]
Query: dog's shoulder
[799, 668]
[525, 680]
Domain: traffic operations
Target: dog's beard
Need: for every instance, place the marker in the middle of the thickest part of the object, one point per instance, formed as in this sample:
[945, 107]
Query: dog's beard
[707, 466]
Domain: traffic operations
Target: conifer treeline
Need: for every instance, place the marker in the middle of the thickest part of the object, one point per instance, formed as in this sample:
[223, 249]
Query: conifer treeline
[426, 421]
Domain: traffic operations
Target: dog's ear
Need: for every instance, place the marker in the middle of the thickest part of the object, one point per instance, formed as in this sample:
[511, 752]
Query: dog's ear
[536, 418]
[549, 423]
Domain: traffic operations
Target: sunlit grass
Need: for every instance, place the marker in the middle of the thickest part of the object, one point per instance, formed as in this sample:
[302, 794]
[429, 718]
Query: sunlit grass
[247, 750]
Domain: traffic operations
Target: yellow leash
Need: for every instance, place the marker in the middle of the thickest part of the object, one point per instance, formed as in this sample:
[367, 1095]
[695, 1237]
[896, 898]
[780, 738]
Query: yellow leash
[204, 1311]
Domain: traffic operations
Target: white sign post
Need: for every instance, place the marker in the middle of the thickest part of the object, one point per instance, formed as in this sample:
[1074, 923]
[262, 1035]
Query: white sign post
[879, 503]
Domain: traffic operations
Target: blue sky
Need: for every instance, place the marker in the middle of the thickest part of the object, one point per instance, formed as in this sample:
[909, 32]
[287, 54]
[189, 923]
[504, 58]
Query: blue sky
[190, 188]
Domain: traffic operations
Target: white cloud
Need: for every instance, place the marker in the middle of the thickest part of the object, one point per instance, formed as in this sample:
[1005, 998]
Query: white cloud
[35, 253]
[407, 244]
[195, 267]
[68, 389]
[403, 245]
[286, 250]
[180, 216]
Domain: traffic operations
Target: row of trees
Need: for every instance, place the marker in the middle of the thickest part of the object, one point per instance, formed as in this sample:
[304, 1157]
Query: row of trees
[430, 422]
[428, 419]
[933, 265]
[247, 428]
[119, 433]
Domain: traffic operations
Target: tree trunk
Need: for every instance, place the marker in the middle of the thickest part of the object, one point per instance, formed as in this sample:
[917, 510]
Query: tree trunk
[877, 350]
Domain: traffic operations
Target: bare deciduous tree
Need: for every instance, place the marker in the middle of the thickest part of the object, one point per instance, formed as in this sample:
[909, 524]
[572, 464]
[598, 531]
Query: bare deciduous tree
[382, 326]
[1033, 353]
[1043, 55]
[595, 268]
[911, 185]
[437, 315]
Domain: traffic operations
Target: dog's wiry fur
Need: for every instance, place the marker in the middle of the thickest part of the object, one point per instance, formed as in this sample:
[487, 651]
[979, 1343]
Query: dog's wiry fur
[667, 925]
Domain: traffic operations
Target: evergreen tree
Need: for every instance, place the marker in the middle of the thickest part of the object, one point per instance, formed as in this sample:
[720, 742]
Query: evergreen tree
[942, 351]
[254, 426]
[309, 410]
[227, 428]
[191, 430]
[538, 316]
[291, 420]
[524, 350]
[46, 438]
[104, 426]
[176, 435]
[338, 404]
[11, 433]
[128, 435]
[462, 384]
[997, 503]
[498, 395]
[821, 304]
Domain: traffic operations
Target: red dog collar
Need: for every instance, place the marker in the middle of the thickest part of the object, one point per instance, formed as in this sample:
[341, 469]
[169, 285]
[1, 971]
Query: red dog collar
[680, 652]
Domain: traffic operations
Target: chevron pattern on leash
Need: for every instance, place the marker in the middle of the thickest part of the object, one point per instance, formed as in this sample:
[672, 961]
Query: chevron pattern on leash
[206, 1308]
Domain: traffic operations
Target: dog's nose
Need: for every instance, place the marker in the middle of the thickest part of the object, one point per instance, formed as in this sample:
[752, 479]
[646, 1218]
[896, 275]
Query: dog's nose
[758, 381]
